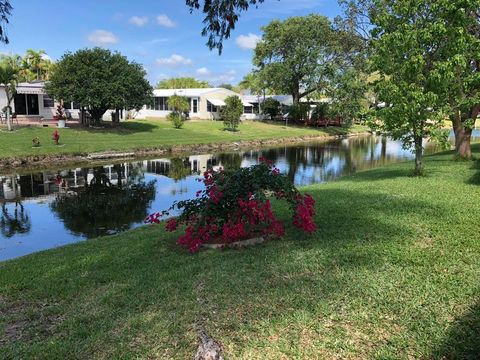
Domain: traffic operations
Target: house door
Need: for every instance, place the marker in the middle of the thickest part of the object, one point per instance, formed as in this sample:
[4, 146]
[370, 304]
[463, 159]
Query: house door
[32, 104]
[20, 103]
[26, 104]
[195, 106]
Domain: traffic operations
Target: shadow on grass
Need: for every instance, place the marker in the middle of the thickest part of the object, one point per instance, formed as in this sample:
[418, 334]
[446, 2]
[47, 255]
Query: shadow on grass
[475, 179]
[124, 128]
[463, 338]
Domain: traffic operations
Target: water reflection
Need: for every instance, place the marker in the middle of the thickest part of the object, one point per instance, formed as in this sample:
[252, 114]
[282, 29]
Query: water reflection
[52, 208]
[17, 222]
[105, 204]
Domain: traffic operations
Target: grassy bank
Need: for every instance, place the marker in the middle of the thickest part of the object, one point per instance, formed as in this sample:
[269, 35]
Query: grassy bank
[147, 134]
[393, 272]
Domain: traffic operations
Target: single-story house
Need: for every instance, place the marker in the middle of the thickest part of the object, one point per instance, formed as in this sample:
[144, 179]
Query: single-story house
[204, 103]
[32, 102]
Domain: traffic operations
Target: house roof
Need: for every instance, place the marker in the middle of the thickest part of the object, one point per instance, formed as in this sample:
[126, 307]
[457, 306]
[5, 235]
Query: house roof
[189, 92]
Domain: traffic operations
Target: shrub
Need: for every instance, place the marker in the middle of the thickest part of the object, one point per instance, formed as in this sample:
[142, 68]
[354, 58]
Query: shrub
[271, 107]
[321, 111]
[178, 104]
[177, 119]
[232, 112]
[235, 205]
[299, 112]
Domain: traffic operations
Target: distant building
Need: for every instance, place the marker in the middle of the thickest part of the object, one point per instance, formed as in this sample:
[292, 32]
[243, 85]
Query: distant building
[204, 103]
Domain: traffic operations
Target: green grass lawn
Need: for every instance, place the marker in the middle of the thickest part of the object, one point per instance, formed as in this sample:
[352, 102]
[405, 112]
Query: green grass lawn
[147, 134]
[392, 273]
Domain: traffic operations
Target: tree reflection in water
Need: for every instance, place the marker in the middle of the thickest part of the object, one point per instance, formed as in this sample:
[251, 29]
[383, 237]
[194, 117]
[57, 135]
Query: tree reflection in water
[103, 206]
[16, 223]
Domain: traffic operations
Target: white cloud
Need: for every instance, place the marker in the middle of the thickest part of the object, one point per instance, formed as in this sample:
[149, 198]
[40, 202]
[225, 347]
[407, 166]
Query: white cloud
[164, 20]
[203, 71]
[216, 78]
[138, 20]
[174, 60]
[248, 42]
[102, 37]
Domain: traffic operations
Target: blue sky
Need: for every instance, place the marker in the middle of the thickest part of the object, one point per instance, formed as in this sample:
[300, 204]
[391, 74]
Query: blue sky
[162, 35]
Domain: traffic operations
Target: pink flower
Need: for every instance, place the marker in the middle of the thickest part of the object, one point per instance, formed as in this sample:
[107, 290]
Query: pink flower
[171, 225]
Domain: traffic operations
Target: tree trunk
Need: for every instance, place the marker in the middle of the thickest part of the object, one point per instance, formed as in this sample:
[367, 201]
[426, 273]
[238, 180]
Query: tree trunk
[418, 155]
[97, 114]
[9, 120]
[463, 134]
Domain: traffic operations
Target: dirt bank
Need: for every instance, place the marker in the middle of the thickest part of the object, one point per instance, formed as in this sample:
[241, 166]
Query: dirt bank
[61, 160]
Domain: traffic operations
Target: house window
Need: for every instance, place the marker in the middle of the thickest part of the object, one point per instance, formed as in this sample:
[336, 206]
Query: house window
[67, 105]
[194, 105]
[248, 110]
[48, 102]
[75, 105]
[211, 107]
[159, 103]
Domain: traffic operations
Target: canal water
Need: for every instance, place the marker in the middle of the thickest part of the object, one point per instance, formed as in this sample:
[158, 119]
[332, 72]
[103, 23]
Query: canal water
[47, 209]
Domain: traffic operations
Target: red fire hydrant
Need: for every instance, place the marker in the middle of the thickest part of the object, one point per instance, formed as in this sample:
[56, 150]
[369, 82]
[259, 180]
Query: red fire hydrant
[56, 137]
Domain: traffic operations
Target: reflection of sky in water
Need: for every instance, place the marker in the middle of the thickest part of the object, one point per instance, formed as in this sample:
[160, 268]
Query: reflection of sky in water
[304, 164]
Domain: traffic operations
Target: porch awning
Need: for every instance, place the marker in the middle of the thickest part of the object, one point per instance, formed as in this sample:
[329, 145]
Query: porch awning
[35, 90]
[217, 102]
[246, 103]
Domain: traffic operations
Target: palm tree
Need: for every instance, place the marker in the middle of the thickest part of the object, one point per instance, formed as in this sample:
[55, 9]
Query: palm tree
[34, 61]
[8, 77]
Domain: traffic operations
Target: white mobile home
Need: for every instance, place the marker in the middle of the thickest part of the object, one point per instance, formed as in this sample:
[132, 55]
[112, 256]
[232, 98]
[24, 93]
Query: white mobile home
[32, 102]
[204, 103]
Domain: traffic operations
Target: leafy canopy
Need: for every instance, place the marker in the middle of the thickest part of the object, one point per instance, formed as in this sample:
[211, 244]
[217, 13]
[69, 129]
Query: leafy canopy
[100, 80]
[300, 55]
[404, 56]
[182, 83]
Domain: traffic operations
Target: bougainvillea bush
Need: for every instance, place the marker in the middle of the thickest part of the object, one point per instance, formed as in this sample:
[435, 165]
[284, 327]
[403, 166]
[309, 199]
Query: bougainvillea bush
[235, 205]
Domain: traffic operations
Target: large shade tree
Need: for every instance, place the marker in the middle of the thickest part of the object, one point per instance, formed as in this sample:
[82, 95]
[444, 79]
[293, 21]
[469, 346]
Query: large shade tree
[99, 80]
[458, 66]
[301, 55]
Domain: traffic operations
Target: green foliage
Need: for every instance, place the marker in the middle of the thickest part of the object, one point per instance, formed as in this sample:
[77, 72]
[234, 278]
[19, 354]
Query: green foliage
[299, 112]
[253, 83]
[300, 55]
[176, 119]
[349, 97]
[405, 56]
[321, 111]
[100, 80]
[8, 77]
[179, 106]
[220, 18]
[227, 86]
[182, 83]
[271, 107]
[232, 112]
